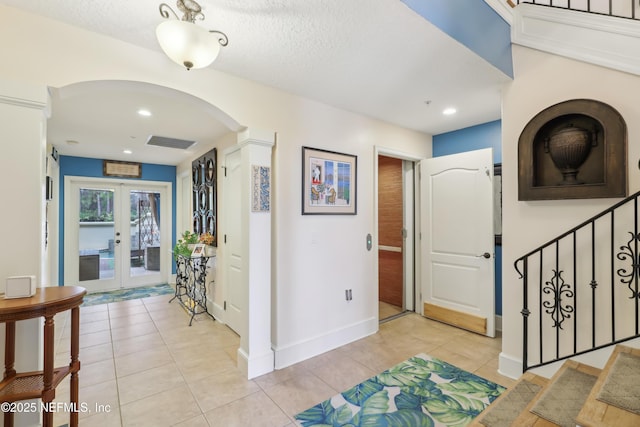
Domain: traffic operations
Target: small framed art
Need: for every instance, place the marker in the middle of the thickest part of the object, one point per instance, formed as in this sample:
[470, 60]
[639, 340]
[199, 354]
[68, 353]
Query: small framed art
[328, 182]
[198, 250]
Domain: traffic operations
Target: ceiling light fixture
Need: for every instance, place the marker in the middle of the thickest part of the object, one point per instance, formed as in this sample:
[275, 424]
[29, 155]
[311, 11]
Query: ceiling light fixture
[449, 111]
[144, 113]
[183, 41]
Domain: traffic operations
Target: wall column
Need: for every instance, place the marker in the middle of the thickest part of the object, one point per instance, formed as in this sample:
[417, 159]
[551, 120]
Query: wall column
[255, 355]
[23, 112]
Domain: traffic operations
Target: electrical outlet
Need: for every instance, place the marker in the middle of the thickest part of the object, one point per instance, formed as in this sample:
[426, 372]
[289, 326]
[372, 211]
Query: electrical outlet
[348, 294]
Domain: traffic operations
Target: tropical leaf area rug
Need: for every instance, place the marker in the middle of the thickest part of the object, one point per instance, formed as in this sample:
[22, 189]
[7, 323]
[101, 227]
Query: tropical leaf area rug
[421, 391]
[127, 294]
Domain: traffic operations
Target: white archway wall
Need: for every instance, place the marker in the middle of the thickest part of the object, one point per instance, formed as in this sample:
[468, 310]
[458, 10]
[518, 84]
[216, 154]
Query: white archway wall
[543, 80]
[316, 257]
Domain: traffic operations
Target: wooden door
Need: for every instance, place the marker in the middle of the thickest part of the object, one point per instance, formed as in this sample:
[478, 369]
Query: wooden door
[390, 231]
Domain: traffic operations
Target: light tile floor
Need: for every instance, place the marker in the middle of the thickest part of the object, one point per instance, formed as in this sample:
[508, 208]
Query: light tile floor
[142, 365]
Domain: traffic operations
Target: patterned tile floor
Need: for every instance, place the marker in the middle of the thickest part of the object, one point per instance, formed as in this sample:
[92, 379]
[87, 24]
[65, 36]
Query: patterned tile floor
[142, 365]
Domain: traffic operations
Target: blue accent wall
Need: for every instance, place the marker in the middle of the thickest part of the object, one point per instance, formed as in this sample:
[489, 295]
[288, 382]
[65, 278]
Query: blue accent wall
[487, 135]
[92, 168]
[474, 24]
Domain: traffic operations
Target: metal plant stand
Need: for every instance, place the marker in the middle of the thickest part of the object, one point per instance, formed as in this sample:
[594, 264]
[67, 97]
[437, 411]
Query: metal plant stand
[191, 284]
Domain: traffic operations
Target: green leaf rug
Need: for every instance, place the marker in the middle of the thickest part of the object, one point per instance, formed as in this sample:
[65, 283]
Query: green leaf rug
[419, 392]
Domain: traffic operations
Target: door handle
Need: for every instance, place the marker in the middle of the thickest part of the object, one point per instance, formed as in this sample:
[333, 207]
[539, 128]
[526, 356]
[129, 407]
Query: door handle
[484, 255]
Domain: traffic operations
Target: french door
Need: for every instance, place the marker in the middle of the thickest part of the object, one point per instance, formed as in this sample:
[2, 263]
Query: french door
[117, 233]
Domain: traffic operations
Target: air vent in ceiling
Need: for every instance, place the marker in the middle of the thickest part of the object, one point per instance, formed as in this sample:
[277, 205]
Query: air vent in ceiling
[163, 141]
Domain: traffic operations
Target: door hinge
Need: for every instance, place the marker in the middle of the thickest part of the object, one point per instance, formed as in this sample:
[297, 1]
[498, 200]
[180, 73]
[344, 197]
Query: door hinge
[225, 170]
[225, 306]
[225, 238]
[404, 233]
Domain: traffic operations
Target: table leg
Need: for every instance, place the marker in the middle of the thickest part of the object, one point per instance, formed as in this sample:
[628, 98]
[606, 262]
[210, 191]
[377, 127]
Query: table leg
[9, 360]
[75, 364]
[10, 350]
[48, 392]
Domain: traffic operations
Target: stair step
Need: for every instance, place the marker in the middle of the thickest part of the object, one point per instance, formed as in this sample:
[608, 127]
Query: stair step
[508, 406]
[570, 370]
[597, 413]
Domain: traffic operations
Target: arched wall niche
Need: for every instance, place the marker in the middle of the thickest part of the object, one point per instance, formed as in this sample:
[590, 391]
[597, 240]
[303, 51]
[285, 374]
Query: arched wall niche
[575, 149]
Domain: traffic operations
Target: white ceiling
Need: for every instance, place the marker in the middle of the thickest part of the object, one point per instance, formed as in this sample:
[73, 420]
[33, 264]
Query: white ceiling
[375, 57]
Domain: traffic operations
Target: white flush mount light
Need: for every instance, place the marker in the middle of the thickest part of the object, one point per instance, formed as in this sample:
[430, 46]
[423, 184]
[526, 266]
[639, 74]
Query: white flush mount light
[183, 41]
[127, 152]
[449, 111]
[144, 113]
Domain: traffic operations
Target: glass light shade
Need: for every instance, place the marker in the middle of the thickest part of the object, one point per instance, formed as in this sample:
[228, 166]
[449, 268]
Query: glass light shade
[187, 44]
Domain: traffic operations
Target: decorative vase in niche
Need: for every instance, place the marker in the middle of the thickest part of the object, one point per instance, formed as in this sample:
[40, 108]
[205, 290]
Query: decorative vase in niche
[569, 148]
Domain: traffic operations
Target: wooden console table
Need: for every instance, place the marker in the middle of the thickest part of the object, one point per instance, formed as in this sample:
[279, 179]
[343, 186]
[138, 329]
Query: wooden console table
[41, 384]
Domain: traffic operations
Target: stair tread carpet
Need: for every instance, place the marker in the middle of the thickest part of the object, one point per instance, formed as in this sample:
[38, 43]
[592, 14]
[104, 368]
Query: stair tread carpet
[598, 411]
[561, 402]
[510, 404]
[622, 386]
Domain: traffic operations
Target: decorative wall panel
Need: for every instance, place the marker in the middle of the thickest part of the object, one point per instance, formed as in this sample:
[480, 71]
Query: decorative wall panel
[205, 204]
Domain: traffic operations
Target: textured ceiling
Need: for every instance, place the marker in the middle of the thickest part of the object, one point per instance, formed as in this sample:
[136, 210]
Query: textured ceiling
[375, 57]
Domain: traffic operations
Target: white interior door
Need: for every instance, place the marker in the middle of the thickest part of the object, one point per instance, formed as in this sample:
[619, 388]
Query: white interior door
[235, 292]
[113, 233]
[457, 241]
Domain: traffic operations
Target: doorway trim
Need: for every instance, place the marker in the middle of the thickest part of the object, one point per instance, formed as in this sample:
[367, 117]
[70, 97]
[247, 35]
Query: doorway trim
[411, 283]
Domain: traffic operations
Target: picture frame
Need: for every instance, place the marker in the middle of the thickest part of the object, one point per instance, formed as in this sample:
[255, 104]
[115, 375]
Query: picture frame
[329, 182]
[121, 169]
[198, 250]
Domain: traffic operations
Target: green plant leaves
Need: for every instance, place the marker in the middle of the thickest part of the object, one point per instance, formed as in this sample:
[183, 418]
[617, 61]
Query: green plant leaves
[417, 392]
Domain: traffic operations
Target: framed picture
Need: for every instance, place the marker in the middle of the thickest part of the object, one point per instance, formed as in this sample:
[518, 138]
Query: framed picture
[198, 250]
[121, 169]
[328, 182]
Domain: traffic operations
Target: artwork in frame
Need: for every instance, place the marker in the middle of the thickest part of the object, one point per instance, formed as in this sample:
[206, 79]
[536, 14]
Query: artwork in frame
[328, 182]
[198, 250]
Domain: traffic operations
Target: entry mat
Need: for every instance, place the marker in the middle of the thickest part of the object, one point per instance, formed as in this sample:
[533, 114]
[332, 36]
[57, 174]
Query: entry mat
[127, 294]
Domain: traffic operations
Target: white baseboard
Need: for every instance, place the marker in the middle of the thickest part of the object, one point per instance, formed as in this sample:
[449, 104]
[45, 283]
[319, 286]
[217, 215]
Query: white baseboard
[254, 366]
[302, 350]
[216, 310]
[509, 366]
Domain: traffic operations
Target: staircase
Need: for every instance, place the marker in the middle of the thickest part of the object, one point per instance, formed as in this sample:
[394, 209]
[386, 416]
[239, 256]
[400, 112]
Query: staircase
[577, 395]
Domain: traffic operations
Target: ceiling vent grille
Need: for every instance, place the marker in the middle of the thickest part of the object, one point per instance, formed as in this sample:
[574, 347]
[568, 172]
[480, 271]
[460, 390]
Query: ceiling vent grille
[163, 141]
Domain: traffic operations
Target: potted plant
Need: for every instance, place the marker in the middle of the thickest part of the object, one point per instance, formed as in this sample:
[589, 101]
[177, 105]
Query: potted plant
[184, 246]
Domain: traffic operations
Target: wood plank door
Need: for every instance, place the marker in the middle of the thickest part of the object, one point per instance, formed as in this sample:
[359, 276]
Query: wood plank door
[390, 231]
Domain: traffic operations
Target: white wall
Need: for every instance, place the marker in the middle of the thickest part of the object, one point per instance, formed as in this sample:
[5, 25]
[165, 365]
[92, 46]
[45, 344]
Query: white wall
[314, 257]
[542, 80]
[22, 173]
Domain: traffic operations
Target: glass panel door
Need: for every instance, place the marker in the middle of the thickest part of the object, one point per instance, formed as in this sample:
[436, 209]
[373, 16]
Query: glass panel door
[113, 234]
[144, 232]
[96, 241]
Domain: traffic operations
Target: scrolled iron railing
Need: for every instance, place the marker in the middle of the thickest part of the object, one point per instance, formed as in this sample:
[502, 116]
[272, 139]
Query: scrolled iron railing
[629, 9]
[581, 290]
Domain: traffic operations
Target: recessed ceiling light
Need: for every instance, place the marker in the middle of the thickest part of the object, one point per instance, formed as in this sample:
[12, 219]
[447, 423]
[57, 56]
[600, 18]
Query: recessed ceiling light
[127, 152]
[449, 111]
[144, 113]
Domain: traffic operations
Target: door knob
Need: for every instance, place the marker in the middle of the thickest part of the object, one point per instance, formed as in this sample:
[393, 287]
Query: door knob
[485, 255]
[117, 241]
